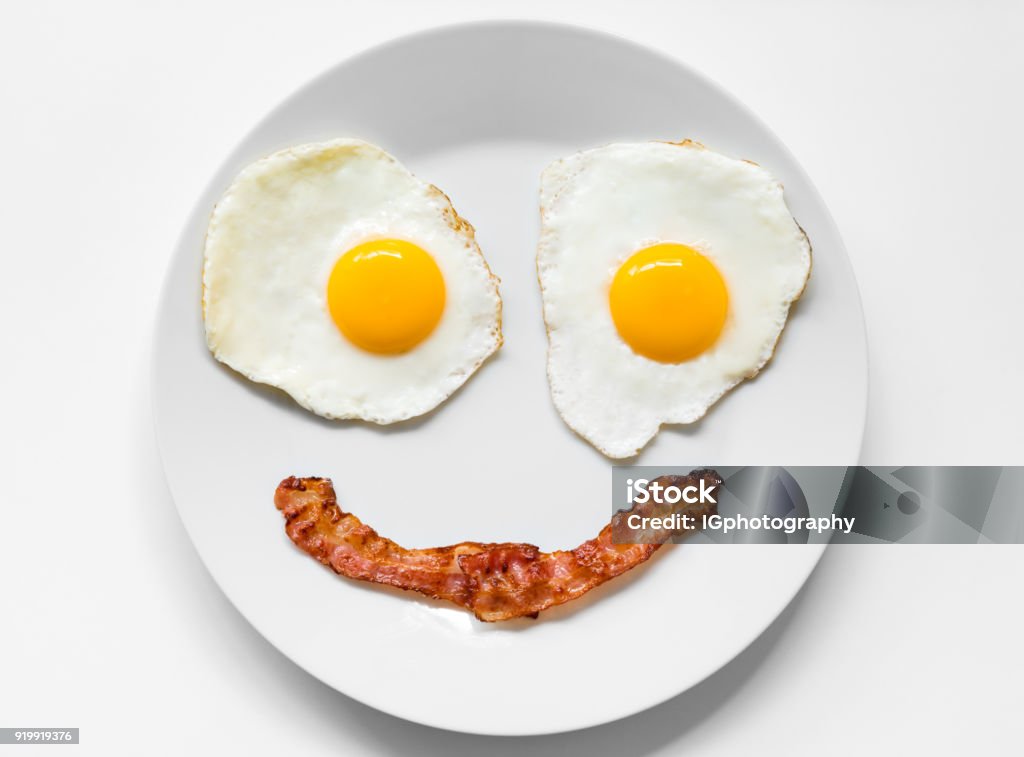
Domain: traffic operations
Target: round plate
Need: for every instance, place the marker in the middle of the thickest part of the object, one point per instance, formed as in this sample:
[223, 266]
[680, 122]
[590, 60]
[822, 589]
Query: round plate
[479, 110]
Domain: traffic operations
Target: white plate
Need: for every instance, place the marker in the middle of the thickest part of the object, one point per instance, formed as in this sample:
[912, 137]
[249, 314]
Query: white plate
[479, 110]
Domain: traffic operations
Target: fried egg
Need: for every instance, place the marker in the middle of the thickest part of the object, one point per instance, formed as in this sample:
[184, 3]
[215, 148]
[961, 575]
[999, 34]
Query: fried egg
[667, 273]
[333, 273]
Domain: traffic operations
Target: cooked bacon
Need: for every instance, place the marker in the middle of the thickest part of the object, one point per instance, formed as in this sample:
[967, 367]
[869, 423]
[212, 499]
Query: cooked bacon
[494, 581]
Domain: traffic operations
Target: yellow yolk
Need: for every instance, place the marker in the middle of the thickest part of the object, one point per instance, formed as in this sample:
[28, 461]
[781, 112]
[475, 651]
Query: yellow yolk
[668, 302]
[386, 296]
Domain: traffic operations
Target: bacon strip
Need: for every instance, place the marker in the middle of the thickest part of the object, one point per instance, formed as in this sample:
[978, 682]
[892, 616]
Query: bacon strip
[494, 581]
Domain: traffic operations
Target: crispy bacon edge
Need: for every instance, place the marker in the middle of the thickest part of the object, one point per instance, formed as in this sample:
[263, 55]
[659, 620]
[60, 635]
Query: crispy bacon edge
[494, 581]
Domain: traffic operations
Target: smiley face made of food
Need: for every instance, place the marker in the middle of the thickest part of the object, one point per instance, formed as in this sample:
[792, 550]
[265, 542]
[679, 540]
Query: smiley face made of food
[330, 271]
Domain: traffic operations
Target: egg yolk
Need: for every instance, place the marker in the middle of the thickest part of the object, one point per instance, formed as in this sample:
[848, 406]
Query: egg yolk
[386, 296]
[668, 302]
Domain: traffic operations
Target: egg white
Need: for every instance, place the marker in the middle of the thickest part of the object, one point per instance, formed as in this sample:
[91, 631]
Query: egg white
[272, 242]
[600, 206]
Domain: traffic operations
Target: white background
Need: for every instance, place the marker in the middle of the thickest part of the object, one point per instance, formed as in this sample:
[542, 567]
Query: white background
[907, 115]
